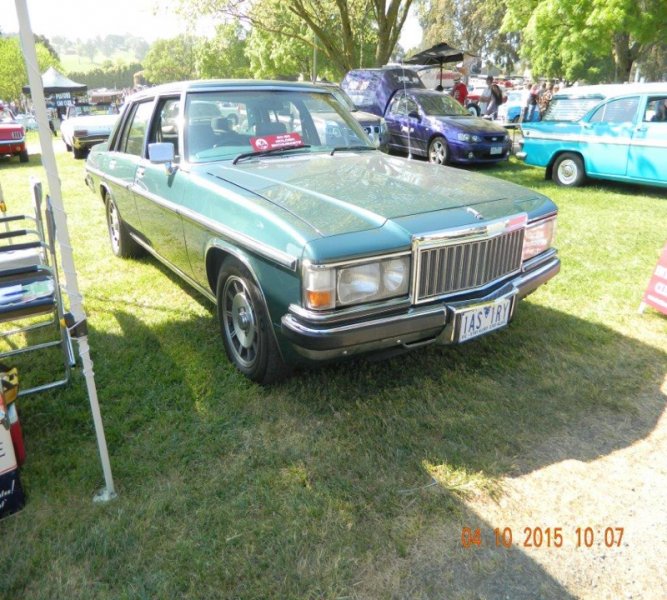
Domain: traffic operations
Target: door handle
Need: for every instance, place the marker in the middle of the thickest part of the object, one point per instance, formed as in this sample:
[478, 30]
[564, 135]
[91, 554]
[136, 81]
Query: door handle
[641, 128]
[140, 172]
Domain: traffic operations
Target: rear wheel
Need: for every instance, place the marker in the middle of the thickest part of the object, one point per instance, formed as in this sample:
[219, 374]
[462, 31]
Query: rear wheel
[245, 325]
[438, 152]
[23, 156]
[79, 152]
[122, 245]
[568, 170]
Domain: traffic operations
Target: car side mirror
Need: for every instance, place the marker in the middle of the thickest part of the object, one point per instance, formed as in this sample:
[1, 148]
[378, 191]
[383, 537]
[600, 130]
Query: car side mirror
[162, 153]
[414, 115]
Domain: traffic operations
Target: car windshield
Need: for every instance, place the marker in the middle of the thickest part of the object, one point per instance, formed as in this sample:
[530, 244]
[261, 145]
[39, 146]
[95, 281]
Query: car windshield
[438, 105]
[6, 116]
[569, 109]
[222, 125]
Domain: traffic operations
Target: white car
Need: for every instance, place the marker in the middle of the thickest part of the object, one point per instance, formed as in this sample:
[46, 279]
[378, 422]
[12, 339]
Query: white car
[510, 111]
[86, 125]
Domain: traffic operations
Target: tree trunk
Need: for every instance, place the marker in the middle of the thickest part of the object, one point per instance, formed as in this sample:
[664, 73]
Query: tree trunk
[623, 57]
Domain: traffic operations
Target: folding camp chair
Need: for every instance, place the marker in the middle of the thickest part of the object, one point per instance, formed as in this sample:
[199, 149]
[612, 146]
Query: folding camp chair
[30, 297]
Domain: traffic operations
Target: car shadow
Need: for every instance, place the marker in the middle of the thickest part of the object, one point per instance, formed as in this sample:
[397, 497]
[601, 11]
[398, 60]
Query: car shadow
[366, 436]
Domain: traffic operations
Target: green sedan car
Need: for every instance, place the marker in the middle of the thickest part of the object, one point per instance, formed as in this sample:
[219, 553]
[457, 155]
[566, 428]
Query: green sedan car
[312, 251]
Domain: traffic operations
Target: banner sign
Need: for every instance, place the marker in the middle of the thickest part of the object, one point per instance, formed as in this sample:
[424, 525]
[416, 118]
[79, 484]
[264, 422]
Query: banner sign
[656, 292]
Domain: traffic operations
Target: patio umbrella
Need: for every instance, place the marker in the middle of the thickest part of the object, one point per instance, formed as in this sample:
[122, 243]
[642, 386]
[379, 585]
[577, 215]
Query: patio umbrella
[436, 55]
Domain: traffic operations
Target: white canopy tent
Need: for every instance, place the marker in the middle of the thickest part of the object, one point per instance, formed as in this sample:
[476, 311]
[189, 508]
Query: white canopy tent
[62, 233]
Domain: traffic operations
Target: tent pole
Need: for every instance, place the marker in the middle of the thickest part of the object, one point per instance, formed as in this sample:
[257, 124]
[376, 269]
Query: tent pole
[62, 234]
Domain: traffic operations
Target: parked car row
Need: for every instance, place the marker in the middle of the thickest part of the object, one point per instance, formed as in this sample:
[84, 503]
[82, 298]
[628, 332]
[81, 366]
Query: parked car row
[313, 244]
[85, 125]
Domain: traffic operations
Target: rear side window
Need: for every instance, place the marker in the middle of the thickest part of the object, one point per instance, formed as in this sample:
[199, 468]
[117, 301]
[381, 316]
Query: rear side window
[622, 110]
[569, 109]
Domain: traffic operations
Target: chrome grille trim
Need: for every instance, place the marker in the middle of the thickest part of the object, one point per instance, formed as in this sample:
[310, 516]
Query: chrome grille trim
[455, 261]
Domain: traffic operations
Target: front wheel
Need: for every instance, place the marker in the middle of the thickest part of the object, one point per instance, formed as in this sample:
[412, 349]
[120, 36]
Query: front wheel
[79, 152]
[23, 156]
[245, 325]
[438, 152]
[568, 170]
[122, 245]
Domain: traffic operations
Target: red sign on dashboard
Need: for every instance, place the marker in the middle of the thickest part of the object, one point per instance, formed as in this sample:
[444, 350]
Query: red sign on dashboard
[656, 292]
[281, 140]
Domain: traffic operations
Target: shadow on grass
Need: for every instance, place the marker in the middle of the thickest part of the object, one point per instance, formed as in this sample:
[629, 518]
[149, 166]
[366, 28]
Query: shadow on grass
[308, 488]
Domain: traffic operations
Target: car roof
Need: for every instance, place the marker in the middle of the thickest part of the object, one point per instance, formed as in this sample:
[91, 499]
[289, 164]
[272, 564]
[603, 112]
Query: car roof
[221, 84]
[613, 89]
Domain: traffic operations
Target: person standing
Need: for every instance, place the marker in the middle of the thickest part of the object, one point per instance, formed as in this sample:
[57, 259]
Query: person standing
[491, 99]
[459, 91]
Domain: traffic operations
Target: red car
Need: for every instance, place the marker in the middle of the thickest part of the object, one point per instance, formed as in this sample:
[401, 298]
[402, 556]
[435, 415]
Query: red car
[12, 136]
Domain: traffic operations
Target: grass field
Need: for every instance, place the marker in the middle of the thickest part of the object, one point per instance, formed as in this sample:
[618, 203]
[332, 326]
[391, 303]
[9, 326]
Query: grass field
[304, 490]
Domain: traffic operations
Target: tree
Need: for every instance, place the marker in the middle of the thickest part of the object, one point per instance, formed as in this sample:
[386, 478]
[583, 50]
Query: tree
[171, 60]
[13, 75]
[339, 28]
[580, 37]
[224, 56]
[473, 26]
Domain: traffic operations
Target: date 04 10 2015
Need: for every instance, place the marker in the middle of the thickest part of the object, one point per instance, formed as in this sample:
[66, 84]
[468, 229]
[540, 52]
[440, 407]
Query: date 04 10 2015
[544, 537]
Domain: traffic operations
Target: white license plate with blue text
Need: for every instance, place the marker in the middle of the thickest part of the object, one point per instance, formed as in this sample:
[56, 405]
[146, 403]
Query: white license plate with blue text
[484, 318]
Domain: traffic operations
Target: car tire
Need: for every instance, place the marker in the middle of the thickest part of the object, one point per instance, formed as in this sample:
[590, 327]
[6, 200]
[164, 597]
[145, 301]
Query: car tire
[23, 156]
[473, 109]
[438, 152]
[568, 170]
[122, 245]
[79, 152]
[245, 325]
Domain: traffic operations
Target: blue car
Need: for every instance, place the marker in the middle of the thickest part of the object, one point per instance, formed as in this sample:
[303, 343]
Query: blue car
[616, 132]
[434, 125]
[424, 122]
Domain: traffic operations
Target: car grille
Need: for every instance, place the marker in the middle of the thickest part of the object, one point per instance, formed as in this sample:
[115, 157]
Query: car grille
[495, 139]
[463, 266]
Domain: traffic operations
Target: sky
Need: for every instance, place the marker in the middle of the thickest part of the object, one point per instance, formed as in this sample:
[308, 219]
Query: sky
[78, 19]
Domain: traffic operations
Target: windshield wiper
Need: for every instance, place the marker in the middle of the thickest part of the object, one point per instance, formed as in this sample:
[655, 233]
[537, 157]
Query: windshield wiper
[351, 148]
[271, 151]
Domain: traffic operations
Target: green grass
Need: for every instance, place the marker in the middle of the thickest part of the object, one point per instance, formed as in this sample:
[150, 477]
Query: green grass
[303, 490]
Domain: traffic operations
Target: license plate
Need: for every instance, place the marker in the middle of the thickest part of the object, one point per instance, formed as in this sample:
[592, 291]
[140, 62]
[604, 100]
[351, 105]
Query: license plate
[496, 149]
[484, 318]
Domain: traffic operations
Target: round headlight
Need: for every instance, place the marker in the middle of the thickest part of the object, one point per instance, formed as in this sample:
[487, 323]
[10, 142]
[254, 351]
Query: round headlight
[356, 284]
[394, 275]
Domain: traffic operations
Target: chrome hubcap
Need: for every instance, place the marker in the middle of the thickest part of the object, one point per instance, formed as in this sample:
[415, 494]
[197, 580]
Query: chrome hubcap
[438, 153]
[239, 321]
[114, 225]
[567, 171]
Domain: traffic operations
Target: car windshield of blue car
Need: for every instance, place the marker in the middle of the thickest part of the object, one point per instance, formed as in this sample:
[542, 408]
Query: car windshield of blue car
[437, 104]
[222, 125]
[569, 109]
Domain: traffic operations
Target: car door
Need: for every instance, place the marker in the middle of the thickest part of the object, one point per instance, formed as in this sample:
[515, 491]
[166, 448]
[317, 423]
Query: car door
[159, 191]
[394, 118]
[607, 135]
[648, 152]
[121, 163]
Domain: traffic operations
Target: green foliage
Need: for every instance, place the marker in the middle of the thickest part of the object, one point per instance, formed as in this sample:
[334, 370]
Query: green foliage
[110, 75]
[13, 75]
[343, 31]
[172, 60]
[595, 40]
[224, 56]
[473, 26]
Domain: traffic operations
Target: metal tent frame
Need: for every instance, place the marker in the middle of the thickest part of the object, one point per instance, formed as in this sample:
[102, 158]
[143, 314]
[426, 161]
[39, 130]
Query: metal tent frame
[78, 330]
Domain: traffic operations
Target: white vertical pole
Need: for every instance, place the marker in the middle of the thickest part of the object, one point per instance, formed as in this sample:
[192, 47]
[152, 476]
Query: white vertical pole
[62, 233]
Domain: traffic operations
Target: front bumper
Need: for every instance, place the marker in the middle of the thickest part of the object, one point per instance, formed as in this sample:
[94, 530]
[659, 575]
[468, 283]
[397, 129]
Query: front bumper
[12, 146]
[82, 143]
[479, 153]
[415, 326]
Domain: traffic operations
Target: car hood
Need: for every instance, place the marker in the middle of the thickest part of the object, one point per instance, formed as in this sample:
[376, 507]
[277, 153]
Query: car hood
[92, 121]
[471, 124]
[351, 192]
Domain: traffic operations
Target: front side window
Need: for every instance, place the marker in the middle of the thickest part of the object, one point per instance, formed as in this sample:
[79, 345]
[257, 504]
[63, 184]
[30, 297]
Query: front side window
[398, 105]
[622, 110]
[167, 123]
[656, 110]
